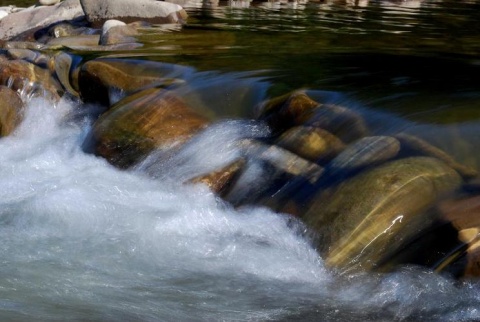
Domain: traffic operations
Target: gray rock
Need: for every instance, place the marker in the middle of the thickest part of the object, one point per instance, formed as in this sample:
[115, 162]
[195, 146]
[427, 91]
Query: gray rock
[117, 32]
[97, 12]
[38, 17]
[48, 2]
[110, 24]
[3, 14]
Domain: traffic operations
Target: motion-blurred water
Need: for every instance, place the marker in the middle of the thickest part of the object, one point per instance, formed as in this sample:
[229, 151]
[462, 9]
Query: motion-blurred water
[81, 240]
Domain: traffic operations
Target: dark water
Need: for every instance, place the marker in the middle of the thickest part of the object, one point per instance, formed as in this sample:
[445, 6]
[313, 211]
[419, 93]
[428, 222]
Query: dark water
[81, 240]
[409, 57]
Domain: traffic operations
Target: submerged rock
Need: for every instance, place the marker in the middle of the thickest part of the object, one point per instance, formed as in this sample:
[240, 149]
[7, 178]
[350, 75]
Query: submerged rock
[298, 108]
[345, 123]
[157, 12]
[417, 145]
[97, 78]
[221, 180]
[286, 111]
[369, 217]
[11, 110]
[282, 160]
[367, 151]
[311, 143]
[136, 125]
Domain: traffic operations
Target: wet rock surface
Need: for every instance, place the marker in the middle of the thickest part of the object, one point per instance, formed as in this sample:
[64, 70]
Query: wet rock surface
[147, 120]
[385, 207]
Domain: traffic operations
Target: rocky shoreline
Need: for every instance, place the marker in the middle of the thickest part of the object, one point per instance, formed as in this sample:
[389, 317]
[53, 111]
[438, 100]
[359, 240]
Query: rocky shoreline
[375, 200]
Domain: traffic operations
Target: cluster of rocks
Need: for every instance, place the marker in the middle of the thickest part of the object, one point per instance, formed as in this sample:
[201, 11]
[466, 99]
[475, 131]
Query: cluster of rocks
[375, 201]
[24, 23]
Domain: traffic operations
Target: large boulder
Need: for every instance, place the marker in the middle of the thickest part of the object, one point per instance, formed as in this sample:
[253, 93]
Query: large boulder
[150, 119]
[97, 12]
[35, 18]
[368, 218]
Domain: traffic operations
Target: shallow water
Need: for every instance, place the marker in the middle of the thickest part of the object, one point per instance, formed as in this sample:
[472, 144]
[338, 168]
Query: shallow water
[83, 241]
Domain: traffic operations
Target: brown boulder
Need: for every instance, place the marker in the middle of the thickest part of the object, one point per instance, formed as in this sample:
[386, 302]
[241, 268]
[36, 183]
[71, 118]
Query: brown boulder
[151, 119]
[366, 219]
[11, 110]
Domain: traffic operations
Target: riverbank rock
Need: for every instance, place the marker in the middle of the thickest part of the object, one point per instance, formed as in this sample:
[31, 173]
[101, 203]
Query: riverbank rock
[11, 110]
[157, 12]
[369, 217]
[150, 119]
[34, 18]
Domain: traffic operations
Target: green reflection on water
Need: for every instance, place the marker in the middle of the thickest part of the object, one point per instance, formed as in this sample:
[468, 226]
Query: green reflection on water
[18, 3]
[418, 59]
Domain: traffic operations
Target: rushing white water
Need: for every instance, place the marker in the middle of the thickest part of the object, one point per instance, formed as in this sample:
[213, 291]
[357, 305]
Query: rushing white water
[81, 240]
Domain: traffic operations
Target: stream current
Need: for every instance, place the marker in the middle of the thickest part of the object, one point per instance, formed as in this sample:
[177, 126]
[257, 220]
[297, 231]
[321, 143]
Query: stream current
[84, 241]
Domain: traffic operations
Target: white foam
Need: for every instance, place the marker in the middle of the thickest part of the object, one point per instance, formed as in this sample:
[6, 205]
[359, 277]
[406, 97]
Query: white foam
[82, 240]
[79, 236]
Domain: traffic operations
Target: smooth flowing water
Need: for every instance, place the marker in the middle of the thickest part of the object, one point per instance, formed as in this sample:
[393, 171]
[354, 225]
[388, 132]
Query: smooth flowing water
[83, 241]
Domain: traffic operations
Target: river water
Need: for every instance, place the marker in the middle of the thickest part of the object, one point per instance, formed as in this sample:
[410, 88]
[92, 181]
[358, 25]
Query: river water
[83, 241]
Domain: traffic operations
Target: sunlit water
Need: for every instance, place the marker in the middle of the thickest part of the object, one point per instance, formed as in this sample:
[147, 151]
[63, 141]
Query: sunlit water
[81, 240]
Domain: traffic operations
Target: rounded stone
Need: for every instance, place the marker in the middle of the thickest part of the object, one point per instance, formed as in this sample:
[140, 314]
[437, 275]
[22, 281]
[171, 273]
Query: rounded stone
[98, 77]
[366, 151]
[285, 111]
[368, 218]
[311, 143]
[139, 123]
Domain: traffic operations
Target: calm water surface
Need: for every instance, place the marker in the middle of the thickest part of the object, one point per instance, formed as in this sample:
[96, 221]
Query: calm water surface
[83, 241]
